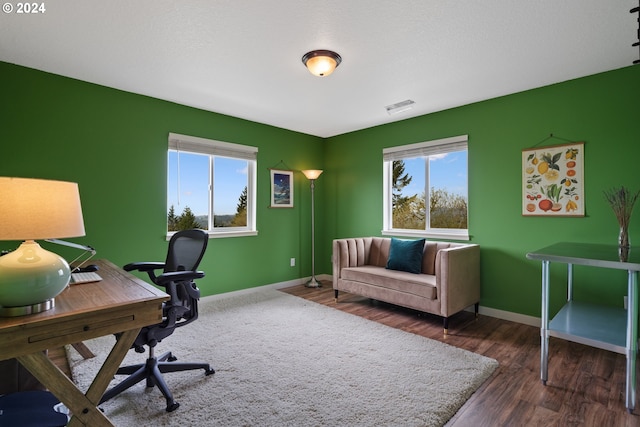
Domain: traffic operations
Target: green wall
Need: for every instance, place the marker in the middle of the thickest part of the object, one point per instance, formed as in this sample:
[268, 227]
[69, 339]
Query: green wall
[601, 110]
[114, 144]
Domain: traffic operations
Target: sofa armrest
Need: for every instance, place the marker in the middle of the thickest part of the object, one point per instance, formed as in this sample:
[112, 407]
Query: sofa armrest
[336, 262]
[349, 253]
[458, 277]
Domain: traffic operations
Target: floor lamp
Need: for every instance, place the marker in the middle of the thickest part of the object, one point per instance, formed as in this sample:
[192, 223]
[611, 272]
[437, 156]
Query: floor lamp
[312, 175]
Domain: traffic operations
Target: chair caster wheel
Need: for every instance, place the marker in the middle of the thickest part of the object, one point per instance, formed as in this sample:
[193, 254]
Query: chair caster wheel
[209, 371]
[172, 407]
[172, 358]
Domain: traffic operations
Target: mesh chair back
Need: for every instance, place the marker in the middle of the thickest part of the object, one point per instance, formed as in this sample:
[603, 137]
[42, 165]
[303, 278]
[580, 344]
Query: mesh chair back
[186, 249]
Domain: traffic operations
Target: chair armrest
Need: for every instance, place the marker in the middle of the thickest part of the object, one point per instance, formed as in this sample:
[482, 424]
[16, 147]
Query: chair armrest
[178, 276]
[143, 266]
[458, 277]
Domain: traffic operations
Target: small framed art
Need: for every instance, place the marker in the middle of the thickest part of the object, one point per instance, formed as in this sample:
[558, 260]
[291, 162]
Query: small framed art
[281, 188]
[553, 180]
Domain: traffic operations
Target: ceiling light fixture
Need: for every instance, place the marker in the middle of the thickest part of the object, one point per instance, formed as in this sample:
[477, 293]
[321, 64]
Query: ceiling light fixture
[399, 107]
[321, 63]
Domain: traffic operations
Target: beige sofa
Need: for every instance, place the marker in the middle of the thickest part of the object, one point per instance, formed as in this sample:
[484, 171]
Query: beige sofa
[449, 280]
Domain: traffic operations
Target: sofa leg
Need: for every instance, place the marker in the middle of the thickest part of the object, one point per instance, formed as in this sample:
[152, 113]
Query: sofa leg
[477, 308]
[335, 295]
[446, 325]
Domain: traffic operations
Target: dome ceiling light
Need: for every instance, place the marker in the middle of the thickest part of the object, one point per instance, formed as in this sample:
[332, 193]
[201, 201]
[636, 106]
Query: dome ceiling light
[321, 63]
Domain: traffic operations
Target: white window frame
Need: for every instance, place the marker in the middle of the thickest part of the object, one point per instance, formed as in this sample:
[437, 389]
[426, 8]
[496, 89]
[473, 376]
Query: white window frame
[213, 148]
[439, 146]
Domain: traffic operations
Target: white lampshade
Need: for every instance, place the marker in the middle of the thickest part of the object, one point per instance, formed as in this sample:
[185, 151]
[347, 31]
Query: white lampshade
[312, 173]
[33, 209]
[30, 209]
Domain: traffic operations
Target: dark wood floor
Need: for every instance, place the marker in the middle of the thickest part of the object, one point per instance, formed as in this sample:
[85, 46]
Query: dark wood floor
[585, 386]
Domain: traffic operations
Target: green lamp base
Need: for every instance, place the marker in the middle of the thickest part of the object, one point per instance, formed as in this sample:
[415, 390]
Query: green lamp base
[30, 279]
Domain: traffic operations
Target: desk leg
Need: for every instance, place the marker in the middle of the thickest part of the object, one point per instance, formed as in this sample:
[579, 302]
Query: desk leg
[64, 389]
[632, 339]
[544, 335]
[111, 364]
[569, 282]
[83, 407]
[83, 350]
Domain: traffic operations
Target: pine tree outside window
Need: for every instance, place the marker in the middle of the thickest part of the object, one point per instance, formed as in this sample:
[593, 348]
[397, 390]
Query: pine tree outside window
[426, 189]
[211, 186]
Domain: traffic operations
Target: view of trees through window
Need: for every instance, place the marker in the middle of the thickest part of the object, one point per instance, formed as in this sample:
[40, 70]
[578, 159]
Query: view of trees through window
[188, 220]
[206, 192]
[447, 209]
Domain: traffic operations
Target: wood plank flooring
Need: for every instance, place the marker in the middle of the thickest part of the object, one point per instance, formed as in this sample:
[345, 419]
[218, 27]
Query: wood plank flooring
[586, 386]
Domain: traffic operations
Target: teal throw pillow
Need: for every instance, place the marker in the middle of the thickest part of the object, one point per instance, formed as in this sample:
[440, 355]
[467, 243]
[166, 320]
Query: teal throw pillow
[406, 255]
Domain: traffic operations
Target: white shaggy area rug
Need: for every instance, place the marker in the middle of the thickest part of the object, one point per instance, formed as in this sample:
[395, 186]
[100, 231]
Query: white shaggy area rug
[281, 360]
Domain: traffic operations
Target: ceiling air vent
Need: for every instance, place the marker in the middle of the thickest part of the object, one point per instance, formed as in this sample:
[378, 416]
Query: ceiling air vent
[399, 107]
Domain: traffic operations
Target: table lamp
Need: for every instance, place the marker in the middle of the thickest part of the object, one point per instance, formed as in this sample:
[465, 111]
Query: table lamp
[31, 209]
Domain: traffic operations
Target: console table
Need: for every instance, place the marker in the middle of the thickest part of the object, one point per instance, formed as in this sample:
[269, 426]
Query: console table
[119, 303]
[608, 328]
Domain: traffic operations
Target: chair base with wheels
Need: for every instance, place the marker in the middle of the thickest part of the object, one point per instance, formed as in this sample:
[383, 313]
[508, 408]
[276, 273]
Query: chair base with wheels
[152, 371]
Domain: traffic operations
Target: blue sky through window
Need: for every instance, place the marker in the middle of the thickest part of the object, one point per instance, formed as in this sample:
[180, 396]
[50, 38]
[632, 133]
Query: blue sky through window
[447, 171]
[230, 177]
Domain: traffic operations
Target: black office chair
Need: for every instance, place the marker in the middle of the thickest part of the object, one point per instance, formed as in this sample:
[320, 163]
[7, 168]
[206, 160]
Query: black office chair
[186, 249]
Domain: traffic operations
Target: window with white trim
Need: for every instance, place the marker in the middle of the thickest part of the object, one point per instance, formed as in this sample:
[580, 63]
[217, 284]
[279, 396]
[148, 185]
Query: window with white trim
[429, 174]
[211, 185]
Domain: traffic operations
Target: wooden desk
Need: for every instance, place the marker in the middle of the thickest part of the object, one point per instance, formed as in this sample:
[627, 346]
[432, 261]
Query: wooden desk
[119, 303]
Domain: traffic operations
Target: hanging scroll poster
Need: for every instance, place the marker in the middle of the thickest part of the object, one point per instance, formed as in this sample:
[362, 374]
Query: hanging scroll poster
[553, 180]
[281, 188]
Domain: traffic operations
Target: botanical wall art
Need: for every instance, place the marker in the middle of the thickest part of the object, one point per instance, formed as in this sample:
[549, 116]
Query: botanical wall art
[281, 188]
[553, 180]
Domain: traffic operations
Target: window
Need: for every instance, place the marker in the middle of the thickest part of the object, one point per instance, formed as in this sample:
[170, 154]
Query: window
[211, 185]
[432, 174]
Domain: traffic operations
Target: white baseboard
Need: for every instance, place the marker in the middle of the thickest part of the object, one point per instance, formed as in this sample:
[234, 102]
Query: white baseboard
[325, 277]
[279, 285]
[510, 316]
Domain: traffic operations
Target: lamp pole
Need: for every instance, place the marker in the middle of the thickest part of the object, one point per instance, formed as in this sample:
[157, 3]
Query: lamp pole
[312, 175]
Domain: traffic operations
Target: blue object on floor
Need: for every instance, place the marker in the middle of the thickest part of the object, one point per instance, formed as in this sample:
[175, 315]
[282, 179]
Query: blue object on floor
[30, 409]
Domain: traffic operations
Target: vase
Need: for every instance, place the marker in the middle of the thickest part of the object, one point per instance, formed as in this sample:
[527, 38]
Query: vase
[623, 238]
[623, 244]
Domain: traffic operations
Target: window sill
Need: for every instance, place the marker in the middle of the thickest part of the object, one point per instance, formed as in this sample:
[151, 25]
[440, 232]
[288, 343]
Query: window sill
[431, 234]
[223, 234]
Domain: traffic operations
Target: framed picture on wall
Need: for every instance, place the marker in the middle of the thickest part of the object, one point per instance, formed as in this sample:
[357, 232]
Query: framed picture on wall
[553, 180]
[281, 188]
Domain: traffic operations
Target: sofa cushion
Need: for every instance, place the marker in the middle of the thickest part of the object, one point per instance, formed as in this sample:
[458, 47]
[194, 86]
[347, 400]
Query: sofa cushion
[422, 285]
[406, 255]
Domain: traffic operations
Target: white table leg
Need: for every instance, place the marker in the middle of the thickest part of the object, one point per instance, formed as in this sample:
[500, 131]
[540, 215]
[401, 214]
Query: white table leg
[544, 335]
[632, 339]
[569, 282]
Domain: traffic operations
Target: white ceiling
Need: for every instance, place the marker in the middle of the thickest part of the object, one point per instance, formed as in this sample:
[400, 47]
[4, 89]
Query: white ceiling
[243, 58]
